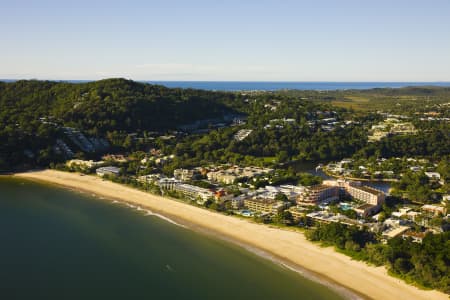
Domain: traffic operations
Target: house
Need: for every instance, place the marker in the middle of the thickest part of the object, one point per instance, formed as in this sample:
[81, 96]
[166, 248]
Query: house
[416, 237]
[433, 175]
[434, 209]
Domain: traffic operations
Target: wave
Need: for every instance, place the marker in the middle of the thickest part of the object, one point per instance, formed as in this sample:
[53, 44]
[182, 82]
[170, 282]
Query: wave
[150, 213]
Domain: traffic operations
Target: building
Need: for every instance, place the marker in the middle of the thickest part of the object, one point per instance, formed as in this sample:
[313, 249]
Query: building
[291, 191]
[150, 178]
[242, 134]
[416, 237]
[222, 176]
[394, 231]
[366, 210]
[185, 174]
[194, 192]
[316, 194]
[230, 175]
[263, 205]
[84, 164]
[114, 171]
[115, 157]
[434, 209]
[221, 196]
[168, 183]
[366, 194]
[433, 175]
[238, 201]
[297, 212]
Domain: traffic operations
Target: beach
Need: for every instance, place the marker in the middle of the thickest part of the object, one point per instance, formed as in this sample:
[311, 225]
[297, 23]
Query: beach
[283, 246]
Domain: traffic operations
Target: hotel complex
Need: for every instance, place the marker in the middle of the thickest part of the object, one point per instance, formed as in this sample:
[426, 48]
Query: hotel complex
[316, 194]
[264, 205]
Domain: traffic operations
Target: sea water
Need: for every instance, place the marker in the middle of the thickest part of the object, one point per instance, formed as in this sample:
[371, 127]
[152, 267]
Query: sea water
[60, 244]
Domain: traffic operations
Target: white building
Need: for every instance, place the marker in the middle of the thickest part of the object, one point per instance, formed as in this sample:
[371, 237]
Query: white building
[108, 171]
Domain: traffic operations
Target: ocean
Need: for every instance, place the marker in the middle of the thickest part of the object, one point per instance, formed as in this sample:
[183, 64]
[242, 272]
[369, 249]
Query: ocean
[60, 244]
[274, 86]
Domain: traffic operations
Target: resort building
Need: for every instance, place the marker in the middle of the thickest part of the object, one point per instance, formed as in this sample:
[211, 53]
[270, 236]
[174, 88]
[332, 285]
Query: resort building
[194, 192]
[435, 210]
[366, 210]
[84, 164]
[185, 174]
[150, 178]
[366, 194]
[114, 171]
[263, 205]
[358, 191]
[238, 201]
[297, 212]
[316, 194]
[168, 183]
[230, 175]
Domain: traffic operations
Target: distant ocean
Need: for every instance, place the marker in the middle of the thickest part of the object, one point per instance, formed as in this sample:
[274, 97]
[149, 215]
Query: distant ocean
[288, 85]
[276, 85]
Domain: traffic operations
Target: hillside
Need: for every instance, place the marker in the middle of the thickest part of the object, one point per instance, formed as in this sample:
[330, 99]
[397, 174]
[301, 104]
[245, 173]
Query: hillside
[33, 112]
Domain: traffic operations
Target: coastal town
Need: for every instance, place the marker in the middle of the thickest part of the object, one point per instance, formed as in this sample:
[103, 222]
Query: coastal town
[231, 189]
[347, 191]
[224, 150]
[373, 184]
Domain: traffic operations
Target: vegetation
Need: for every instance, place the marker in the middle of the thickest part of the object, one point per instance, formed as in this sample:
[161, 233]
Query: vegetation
[195, 128]
[426, 264]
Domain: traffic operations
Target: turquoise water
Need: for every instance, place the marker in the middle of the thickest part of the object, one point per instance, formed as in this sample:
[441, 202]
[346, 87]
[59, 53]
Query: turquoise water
[57, 244]
[289, 85]
[279, 85]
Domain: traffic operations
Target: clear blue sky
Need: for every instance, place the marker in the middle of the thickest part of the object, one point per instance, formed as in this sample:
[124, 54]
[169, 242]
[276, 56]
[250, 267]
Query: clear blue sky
[316, 40]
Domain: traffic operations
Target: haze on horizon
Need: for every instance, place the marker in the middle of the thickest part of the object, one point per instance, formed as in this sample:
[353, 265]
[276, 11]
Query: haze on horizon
[233, 40]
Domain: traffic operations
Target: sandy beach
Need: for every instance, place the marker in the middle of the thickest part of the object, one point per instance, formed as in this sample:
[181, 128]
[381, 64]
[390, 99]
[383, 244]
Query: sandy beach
[287, 247]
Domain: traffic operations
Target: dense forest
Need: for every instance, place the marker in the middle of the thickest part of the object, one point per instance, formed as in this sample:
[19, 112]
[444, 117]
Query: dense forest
[112, 104]
[29, 111]
[286, 125]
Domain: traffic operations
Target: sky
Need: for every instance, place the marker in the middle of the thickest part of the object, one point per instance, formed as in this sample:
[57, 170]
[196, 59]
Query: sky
[243, 40]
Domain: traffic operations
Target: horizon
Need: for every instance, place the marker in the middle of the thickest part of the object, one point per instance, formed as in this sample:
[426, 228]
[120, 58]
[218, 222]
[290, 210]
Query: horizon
[268, 86]
[218, 81]
[268, 41]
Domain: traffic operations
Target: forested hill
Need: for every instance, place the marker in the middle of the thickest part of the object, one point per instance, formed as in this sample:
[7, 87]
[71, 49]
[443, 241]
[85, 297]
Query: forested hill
[111, 104]
[34, 113]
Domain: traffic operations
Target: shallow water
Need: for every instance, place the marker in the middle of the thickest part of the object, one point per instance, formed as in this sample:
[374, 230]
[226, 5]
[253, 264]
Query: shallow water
[59, 244]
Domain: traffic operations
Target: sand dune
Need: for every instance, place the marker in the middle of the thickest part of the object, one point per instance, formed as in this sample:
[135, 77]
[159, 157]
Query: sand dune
[285, 246]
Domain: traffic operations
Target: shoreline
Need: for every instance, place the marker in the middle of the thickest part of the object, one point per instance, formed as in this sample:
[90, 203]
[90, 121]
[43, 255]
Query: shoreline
[290, 249]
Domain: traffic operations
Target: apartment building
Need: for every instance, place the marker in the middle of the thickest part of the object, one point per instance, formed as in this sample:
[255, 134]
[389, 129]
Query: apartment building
[316, 194]
[263, 205]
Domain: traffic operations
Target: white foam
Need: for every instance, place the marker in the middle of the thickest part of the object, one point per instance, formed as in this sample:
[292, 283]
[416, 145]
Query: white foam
[150, 213]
